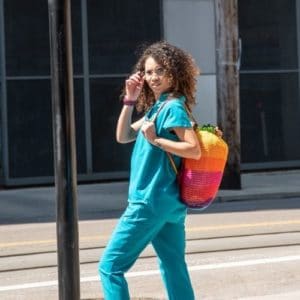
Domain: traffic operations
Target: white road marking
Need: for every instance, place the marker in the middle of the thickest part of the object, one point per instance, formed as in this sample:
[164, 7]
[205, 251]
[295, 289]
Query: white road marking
[233, 264]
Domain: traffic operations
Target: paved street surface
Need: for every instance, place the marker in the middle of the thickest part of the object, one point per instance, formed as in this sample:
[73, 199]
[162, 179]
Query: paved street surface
[245, 246]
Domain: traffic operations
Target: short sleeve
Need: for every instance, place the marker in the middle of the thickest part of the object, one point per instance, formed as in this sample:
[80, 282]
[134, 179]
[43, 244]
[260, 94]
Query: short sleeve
[176, 115]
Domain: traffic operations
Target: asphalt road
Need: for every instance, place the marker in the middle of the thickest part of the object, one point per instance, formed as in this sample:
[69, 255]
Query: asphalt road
[241, 250]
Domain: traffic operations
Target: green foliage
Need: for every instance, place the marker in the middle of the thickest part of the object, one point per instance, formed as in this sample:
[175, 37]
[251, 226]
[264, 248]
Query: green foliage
[208, 127]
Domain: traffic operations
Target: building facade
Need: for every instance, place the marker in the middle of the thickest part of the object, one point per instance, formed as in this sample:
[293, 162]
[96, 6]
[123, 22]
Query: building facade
[106, 38]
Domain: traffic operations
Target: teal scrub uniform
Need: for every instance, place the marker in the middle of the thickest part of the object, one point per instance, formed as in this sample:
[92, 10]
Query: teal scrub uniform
[154, 213]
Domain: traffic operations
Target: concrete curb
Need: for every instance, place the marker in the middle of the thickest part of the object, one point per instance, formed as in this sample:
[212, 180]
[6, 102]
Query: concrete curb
[257, 196]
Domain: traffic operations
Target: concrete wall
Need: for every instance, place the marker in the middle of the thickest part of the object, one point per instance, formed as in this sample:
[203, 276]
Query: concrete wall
[189, 24]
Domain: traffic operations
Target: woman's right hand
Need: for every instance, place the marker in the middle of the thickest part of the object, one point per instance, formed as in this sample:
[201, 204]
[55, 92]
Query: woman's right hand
[134, 85]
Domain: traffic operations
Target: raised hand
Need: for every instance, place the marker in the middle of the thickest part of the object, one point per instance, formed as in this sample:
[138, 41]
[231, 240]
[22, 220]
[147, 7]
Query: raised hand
[133, 85]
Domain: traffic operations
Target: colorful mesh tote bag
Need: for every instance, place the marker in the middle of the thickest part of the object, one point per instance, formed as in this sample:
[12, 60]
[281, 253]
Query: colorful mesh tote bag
[199, 180]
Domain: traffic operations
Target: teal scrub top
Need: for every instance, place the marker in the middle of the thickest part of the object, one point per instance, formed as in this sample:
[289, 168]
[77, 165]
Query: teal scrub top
[152, 178]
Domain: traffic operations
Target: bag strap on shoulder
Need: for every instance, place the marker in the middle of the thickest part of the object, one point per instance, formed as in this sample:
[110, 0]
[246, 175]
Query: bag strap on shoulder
[192, 119]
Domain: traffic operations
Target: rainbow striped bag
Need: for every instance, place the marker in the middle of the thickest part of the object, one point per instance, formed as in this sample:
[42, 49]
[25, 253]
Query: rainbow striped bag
[199, 180]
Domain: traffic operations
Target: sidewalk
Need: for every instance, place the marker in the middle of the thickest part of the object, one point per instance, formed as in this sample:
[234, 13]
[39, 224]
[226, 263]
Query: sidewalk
[106, 200]
[265, 185]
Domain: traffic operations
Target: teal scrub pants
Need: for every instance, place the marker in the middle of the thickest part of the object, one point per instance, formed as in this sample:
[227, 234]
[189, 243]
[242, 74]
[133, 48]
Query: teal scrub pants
[137, 227]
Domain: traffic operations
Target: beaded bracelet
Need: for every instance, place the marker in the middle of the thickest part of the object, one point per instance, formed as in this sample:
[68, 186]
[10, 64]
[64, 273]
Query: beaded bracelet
[128, 102]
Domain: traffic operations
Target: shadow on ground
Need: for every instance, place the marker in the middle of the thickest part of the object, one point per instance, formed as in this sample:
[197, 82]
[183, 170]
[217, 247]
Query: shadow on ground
[25, 209]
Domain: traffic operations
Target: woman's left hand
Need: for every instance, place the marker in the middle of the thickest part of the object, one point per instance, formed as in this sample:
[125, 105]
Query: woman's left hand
[218, 132]
[149, 132]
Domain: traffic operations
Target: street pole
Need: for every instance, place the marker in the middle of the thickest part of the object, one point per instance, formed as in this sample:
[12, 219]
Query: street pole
[64, 148]
[227, 58]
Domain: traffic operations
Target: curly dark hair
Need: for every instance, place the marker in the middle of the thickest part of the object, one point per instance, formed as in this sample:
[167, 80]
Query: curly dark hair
[179, 65]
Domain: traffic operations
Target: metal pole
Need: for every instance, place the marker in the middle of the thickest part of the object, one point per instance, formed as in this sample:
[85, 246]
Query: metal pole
[228, 57]
[64, 149]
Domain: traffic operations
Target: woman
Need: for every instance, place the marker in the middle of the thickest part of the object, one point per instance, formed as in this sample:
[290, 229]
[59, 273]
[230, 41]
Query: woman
[163, 79]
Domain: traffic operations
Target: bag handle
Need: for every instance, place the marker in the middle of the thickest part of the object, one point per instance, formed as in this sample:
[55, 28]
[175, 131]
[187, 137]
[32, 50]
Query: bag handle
[192, 118]
[168, 153]
[172, 162]
[158, 111]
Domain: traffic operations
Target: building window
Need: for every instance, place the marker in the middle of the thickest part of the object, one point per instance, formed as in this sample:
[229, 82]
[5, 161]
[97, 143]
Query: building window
[105, 37]
[269, 81]
[122, 26]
